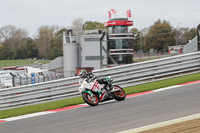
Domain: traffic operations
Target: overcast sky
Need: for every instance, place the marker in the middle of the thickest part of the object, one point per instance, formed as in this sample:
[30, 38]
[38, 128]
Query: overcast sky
[31, 14]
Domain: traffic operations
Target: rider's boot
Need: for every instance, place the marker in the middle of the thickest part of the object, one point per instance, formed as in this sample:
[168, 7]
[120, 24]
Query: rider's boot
[110, 87]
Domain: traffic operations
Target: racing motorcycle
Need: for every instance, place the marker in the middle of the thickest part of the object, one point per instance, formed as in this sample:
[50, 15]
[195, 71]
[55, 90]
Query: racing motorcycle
[93, 92]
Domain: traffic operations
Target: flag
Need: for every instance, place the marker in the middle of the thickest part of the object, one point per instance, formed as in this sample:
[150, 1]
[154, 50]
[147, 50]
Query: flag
[113, 11]
[109, 14]
[128, 13]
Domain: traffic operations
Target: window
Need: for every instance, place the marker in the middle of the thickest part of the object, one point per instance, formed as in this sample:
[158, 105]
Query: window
[92, 58]
[120, 44]
[118, 29]
[92, 39]
[122, 59]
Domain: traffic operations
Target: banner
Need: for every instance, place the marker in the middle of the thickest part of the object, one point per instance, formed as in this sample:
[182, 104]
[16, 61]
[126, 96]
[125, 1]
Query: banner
[113, 11]
[128, 13]
[109, 14]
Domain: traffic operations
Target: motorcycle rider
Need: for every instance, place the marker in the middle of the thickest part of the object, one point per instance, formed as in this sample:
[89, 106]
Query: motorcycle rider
[90, 77]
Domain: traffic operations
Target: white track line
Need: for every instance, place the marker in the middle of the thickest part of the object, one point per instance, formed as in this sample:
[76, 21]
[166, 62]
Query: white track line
[26, 116]
[167, 88]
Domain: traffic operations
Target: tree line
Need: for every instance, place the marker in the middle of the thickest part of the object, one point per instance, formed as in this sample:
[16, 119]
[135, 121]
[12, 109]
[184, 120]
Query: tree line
[15, 43]
[161, 35]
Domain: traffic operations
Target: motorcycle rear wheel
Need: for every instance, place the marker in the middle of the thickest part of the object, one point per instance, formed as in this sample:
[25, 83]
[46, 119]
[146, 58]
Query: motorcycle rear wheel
[120, 94]
[91, 100]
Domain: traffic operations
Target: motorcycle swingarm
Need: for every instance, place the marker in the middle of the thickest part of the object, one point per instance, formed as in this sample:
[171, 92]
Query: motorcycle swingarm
[115, 90]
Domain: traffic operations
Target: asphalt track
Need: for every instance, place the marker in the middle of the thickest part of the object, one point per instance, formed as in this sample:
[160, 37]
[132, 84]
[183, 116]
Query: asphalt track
[114, 116]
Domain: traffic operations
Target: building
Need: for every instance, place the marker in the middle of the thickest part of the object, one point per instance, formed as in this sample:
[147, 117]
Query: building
[120, 41]
[90, 49]
[82, 52]
[87, 51]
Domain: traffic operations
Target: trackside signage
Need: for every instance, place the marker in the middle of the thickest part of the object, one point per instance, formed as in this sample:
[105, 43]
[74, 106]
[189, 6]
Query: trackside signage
[113, 23]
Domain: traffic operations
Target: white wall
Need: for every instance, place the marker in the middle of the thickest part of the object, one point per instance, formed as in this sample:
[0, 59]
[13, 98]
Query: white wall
[90, 47]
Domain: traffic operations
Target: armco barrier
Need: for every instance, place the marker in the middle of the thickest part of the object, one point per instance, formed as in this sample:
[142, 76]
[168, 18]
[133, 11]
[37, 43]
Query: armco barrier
[126, 75]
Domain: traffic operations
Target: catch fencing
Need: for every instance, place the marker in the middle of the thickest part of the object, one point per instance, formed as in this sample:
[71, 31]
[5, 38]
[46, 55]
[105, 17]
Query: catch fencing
[125, 76]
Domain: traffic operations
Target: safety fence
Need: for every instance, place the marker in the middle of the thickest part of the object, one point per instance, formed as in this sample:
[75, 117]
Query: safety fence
[20, 79]
[125, 76]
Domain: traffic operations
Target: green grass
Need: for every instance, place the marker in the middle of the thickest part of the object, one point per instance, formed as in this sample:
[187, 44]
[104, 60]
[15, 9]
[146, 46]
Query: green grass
[40, 107]
[78, 100]
[6, 63]
[162, 83]
[143, 58]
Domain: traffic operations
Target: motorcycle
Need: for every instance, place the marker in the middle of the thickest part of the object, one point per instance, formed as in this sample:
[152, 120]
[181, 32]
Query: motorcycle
[93, 92]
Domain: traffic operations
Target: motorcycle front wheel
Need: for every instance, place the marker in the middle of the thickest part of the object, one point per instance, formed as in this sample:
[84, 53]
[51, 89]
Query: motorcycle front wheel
[92, 100]
[120, 94]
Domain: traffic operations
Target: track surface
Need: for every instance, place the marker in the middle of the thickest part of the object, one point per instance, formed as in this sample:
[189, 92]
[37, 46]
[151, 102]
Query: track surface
[192, 126]
[114, 116]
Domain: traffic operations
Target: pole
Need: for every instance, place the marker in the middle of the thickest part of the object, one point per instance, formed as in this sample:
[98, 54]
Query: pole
[13, 79]
[101, 58]
[198, 37]
[26, 78]
[38, 77]
[104, 49]
[20, 78]
[176, 34]
[141, 43]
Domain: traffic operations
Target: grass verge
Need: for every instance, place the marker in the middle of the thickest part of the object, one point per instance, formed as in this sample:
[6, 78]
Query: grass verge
[6, 63]
[78, 100]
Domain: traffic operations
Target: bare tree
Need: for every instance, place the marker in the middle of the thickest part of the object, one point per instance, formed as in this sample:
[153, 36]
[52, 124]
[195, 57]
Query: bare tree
[9, 31]
[13, 40]
[6, 32]
[77, 25]
[46, 35]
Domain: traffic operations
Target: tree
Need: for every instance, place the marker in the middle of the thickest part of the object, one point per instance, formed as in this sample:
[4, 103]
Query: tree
[90, 25]
[77, 26]
[136, 39]
[57, 44]
[32, 51]
[46, 35]
[20, 40]
[185, 34]
[6, 32]
[160, 36]
[191, 33]
[1, 46]
[13, 40]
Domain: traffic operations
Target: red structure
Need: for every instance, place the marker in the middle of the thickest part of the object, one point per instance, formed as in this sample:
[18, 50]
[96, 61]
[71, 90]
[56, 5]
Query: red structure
[9, 68]
[120, 41]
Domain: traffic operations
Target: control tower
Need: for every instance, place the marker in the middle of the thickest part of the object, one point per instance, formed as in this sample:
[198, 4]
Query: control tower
[120, 41]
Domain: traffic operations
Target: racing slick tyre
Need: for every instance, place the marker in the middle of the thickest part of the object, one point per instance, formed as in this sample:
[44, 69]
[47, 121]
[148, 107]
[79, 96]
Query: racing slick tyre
[92, 100]
[120, 94]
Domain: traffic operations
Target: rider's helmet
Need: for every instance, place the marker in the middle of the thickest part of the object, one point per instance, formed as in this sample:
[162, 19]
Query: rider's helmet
[83, 73]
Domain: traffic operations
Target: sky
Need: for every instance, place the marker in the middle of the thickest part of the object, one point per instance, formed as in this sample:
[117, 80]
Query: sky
[31, 14]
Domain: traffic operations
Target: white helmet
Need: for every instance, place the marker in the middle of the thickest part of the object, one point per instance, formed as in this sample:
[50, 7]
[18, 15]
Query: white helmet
[83, 73]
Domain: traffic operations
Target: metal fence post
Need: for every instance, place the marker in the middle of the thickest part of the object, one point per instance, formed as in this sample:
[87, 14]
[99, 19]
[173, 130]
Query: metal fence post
[20, 79]
[47, 77]
[38, 78]
[51, 76]
[13, 79]
[26, 78]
